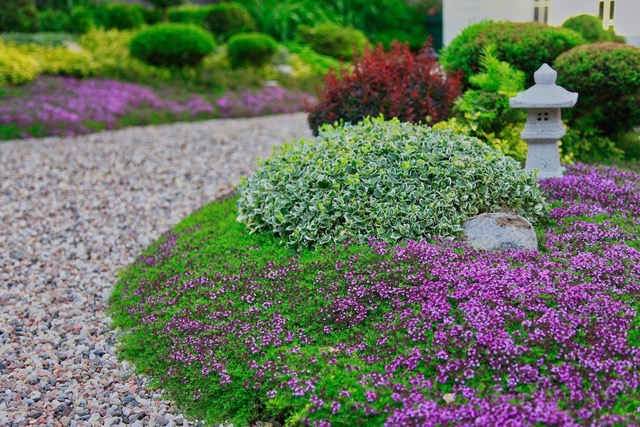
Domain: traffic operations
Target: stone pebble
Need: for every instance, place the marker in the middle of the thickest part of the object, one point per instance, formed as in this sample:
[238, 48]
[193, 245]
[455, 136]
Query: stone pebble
[73, 212]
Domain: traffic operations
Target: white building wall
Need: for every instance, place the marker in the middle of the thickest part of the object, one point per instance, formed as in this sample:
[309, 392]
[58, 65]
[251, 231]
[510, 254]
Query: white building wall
[458, 14]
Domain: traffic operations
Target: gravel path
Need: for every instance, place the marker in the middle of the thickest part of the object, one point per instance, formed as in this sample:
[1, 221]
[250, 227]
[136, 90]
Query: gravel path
[72, 213]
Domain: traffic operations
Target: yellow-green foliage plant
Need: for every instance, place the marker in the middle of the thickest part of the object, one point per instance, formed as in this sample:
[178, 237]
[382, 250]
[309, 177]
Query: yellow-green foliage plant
[61, 61]
[16, 67]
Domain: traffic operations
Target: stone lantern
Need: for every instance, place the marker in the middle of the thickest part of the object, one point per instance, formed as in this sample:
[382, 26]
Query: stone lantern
[544, 127]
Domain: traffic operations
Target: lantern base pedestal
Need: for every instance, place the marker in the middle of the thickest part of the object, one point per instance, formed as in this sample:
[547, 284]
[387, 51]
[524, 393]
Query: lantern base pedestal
[544, 156]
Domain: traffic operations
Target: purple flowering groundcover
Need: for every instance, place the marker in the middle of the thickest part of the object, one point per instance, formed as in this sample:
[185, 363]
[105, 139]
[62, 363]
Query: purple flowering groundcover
[425, 333]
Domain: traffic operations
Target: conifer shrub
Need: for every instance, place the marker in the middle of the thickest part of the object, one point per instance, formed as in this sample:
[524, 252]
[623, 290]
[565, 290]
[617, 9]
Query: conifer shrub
[607, 78]
[172, 45]
[228, 19]
[333, 40]
[394, 83]
[525, 45]
[251, 49]
[383, 179]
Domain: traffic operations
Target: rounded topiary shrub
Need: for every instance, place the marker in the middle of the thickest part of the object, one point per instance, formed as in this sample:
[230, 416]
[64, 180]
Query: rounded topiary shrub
[607, 77]
[333, 40]
[382, 179]
[590, 27]
[525, 45]
[253, 49]
[228, 19]
[394, 83]
[172, 45]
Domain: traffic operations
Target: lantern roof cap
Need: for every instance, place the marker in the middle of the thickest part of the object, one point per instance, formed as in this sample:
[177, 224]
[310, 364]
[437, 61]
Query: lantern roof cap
[545, 93]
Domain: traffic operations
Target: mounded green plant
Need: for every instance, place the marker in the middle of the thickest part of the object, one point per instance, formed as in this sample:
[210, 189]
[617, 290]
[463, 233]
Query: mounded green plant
[53, 21]
[18, 16]
[525, 45]
[172, 45]
[251, 49]
[607, 78]
[228, 19]
[384, 179]
[60, 61]
[124, 16]
[188, 14]
[80, 20]
[333, 40]
[590, 27]
[16, 67]
[484, 111]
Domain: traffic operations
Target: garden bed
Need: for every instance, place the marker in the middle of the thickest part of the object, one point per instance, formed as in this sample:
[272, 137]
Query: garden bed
[236, 327]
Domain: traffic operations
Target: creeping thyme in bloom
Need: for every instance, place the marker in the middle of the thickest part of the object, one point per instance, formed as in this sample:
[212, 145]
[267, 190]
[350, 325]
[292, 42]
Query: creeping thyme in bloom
[419, 333]
[268, 100]
[68, 106]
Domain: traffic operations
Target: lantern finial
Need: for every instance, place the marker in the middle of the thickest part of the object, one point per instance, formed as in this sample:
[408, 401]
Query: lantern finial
[545, 75]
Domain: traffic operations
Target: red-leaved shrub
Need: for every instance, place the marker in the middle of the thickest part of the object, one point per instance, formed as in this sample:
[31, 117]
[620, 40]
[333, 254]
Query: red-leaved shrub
[394, 83]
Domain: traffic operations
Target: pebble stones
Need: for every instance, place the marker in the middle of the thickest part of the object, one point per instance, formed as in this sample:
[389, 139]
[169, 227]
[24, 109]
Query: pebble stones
[500, 230]
[73, 212]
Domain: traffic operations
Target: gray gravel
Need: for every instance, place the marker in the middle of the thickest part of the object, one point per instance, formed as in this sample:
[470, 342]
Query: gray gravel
[73, 212]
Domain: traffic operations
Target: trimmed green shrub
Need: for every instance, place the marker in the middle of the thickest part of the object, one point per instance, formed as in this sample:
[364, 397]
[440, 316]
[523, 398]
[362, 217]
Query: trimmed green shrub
[484, 112]
[228, 19]
[172, 45]
[188, 14]
[53, 21]
[18, 16]
[590, 27]
[164, 5]
[124, 16]
[607, 77]
[252, 49]
[151, 16]
[16, 67]
[388, 180]
[525, 45]
[81, 20]
[333, 40]
[397, 83]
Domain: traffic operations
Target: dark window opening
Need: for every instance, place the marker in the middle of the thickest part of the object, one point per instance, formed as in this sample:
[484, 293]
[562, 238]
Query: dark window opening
[546, 14]
[611, 8]
[601, 14]
[536, 14]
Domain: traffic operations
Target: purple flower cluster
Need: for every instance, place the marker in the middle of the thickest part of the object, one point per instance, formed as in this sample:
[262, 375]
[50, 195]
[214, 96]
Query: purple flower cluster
[67, 106]
[268, 100]
[429, 333]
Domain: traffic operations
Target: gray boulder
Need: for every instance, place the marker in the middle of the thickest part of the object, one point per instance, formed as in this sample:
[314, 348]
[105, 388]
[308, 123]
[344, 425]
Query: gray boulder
[500, 230]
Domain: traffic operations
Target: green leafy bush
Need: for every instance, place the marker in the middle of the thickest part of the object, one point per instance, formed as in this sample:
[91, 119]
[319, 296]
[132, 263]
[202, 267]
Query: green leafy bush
[151, 16]
[389, 180]
[588, 146]
[53, 21]
[319, 64]
[16, 67]
[607, 78]
[164, 5]
[228, 19]
[484, 111]
[188, 14]
[590, 27]
[333, 40]
[395, 83]
[172, 45]
[525, 45]
[124, 16]
[18, 16]
[253, 49]
[80, 20]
